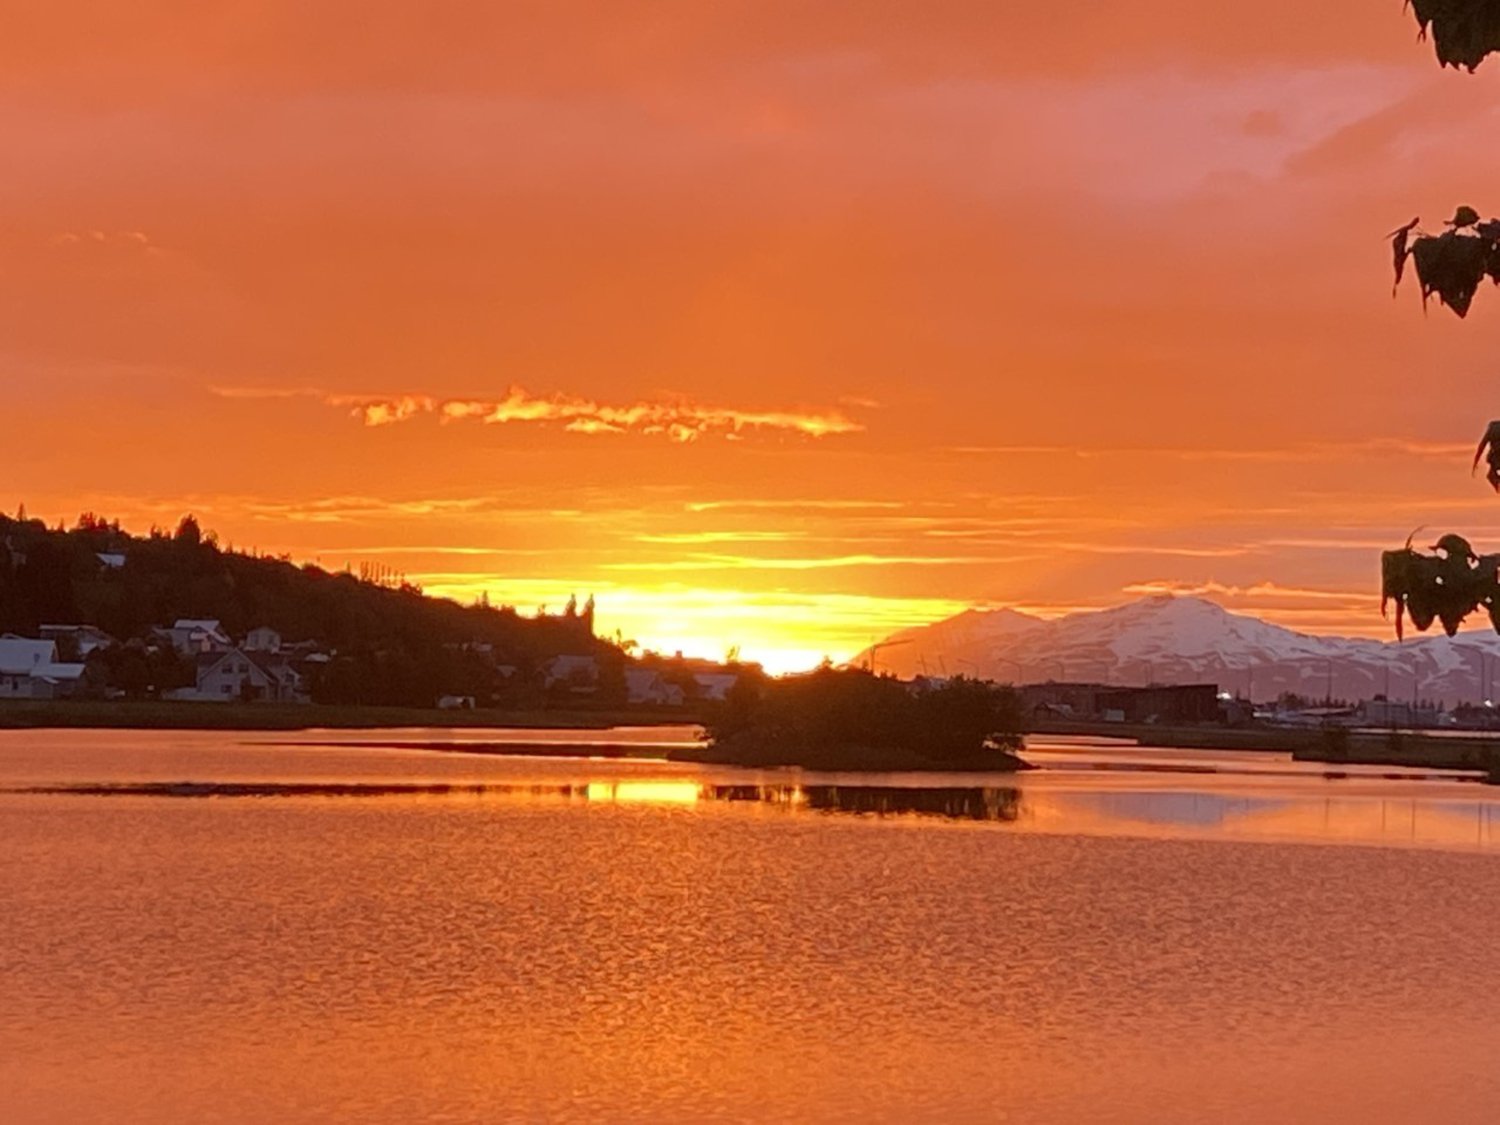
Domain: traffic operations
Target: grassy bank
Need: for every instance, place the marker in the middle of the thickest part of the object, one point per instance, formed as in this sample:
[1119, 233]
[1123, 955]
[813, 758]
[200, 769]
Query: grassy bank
[1400, 748]
[156, 715]
[1188, 737]
[1377, 748]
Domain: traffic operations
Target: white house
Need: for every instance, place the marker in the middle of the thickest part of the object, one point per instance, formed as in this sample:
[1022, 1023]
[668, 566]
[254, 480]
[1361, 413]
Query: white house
[19, 656]
[579, 673]
[235, 675]
[645, 686]
[86, 638]
[190, 636]
[715, 686]
[263, 639]
[29, 670]
[287, 685]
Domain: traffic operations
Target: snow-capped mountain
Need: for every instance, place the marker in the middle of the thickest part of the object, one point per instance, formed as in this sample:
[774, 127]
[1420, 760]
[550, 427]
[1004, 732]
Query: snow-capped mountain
[1165, 639]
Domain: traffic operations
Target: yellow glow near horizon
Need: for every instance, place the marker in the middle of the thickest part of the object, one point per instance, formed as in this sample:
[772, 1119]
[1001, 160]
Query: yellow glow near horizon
[783, 631]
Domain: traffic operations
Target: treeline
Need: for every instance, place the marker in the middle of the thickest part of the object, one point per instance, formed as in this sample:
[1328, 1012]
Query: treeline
[392, 644]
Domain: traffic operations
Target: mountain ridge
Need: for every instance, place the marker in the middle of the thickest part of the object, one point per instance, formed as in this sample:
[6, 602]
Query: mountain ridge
[1166, 638]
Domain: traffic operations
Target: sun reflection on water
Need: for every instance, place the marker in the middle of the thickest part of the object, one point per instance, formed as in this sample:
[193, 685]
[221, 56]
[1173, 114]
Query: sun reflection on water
[645, 792]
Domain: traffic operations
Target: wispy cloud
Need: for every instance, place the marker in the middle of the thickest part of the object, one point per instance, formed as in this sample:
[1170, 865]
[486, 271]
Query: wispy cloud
[127, 239]
[1021, 450]
[1267, 590]
[702, 537]
[678, 420]
[350, 510]
[793, 505]
[454, 552]
[1226, 552]
[1328, 543]
[346, 509]
[1311, 451]
[832, 562]
[253, 394]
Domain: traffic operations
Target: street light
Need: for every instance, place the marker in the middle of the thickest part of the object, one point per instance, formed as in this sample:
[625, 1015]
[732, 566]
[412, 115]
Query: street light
[878, 645]
[1016, 664]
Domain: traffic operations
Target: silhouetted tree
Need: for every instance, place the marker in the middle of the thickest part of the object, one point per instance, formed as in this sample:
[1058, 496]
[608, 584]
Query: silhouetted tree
[1463, 32]
[188, 532]
[141, 670]
[1453, 581]
[1453, 263]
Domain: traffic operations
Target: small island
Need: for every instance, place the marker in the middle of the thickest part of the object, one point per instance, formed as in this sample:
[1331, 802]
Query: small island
[849, 719]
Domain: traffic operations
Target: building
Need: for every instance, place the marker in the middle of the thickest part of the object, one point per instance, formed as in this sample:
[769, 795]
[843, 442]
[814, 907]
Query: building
[236, 675]
[1160, 703]
[1164, 703]
[191, 636]
[579, 674]
[715, 686]
[1062, 700]
[84, 639]
[646, 687]
[263, 639]
[29, 669]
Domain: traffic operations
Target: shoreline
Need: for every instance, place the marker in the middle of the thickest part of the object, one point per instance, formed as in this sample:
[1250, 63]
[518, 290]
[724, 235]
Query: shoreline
[611, 751]
[26, 714]
[1338, 745]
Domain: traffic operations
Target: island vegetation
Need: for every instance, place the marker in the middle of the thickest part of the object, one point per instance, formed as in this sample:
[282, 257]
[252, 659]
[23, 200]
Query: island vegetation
[851, 719]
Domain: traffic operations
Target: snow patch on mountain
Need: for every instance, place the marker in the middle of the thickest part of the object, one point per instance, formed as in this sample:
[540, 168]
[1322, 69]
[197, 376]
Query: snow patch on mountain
[1175, 639]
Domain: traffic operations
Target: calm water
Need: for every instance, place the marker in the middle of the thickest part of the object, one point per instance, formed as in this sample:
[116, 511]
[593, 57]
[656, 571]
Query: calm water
[322, 933]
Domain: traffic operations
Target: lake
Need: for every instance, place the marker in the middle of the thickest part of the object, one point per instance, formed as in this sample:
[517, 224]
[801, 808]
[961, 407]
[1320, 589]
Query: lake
[216, 927]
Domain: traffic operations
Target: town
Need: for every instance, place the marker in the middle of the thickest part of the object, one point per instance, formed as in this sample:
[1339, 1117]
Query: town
[196, 660]
[93, 613]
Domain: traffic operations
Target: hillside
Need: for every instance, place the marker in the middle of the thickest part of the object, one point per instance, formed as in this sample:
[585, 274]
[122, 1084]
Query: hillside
[394, 644]
[1167, 639]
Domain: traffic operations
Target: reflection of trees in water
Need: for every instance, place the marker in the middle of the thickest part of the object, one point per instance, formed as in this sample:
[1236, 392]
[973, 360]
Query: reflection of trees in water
[993, 804]
[997, 804]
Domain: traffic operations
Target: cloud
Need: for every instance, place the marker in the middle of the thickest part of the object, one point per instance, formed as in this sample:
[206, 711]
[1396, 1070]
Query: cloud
[677, 420]
[1302, 452]
[1259, 590]
[835, 562]
[361, 510]
[255, 394]
[384, 412]
[1149, 549]
[129, 240]
[1315, 543]
[678, 538]
[792, 505]
[346, 509]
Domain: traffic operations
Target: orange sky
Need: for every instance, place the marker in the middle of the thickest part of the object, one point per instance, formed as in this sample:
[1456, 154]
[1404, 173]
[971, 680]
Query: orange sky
[772, 324]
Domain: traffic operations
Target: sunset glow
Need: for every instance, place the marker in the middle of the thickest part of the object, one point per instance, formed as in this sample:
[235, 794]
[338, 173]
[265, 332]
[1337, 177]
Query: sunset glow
[776, 327]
